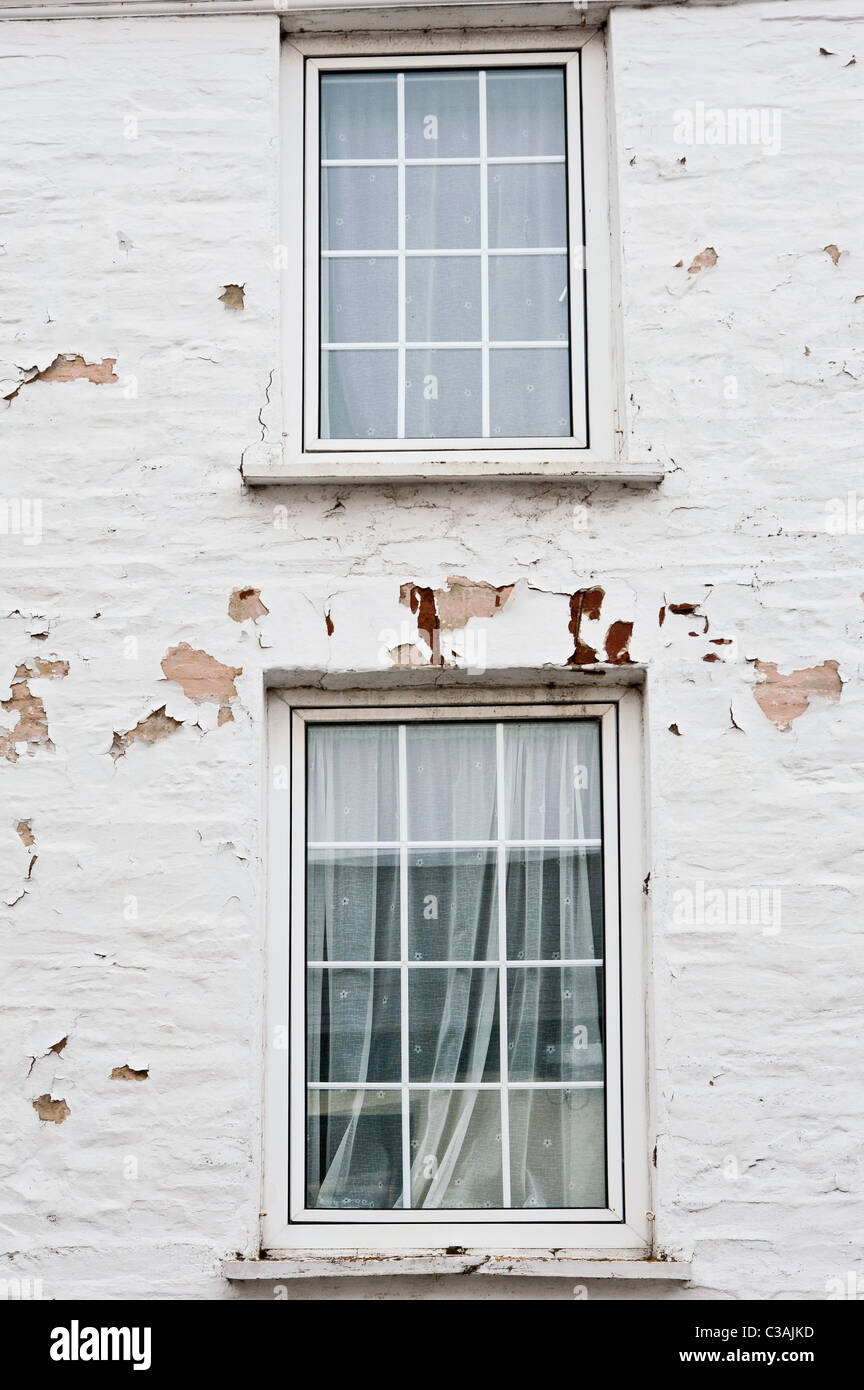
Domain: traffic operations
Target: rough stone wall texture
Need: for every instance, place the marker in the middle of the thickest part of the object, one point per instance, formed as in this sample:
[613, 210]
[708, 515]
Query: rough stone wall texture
[139, 180]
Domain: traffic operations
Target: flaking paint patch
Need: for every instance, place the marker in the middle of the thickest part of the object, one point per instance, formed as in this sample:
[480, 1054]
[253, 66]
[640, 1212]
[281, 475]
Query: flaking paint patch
[31, 730]
[618, 644]
[67, 366]
[118, 545]
[71, 366]
[446, 610]
[408, 655]
[687, 610]
[246, 604]
[203, 679]
[24, 831]
[56, 1049]
[52, 669]
[32, 726]
[464, 598]
[149, 730]
[422, 602]
[127, 1073]
[703, 261]
[51, 1111]
[233, 297]
[783, 698]
[585, 603]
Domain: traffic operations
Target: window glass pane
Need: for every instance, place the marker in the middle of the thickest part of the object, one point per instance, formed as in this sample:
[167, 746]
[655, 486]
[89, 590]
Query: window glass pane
[525, 111]
[442, 207]
[358, 115]
[352, 904]
[352, 776]
[552, 776]
[353, 1023]
[359, 300]
[557, 1148]
[555, 1023]
[451, 781]
[511, 114]
[442, 115]
[455, 1149]
[527, 205]
[452, 904]
[453, 1030]
[358, 395]
[425, 1026]
[443, 394]
[443, 299]
[528, 298]
[554, 904]
[358, 209]
[354, 1149]
[529, 391]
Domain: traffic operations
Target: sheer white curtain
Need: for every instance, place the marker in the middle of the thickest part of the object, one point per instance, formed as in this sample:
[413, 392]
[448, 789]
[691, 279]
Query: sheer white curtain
[549, 908]
[554, 912]
[353, 1014]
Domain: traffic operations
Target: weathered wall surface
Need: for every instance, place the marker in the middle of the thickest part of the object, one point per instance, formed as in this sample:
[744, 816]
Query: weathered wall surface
[145, 592]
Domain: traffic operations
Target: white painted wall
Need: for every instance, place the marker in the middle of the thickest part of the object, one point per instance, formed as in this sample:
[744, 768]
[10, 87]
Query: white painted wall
[139, 176]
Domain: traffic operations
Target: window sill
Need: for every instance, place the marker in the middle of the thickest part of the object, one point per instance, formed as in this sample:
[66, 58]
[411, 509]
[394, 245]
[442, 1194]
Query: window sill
[544, 1264]
[267, 463]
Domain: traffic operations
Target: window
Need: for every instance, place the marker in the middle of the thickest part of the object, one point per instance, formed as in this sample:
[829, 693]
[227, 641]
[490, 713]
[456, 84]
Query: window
[447, 286]
[447, 306]
[452, 969]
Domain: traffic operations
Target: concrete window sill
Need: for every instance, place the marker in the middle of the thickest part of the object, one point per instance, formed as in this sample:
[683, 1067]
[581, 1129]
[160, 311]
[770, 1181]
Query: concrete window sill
[266, 463]
[317, 1264]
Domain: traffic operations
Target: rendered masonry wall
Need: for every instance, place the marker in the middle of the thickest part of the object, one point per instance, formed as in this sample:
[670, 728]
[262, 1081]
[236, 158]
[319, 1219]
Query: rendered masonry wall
[139, 178]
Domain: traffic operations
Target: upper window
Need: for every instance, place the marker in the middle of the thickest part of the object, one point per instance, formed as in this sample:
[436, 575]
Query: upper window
[450, 306]
[447, 272]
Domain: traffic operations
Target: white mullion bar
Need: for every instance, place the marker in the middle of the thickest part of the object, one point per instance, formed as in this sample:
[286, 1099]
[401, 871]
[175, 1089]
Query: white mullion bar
[365, 253]
[456, 1086]
[453, 844]
[527, 250]
[443, 159]
[484, 264]
[502, 968]
[354, 844]
[527, 158]
[450, 964]
[403, 965]
[505, 343]
[359, 163]
[400, 273]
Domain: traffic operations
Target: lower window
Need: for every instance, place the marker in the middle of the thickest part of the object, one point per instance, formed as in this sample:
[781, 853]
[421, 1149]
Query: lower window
[454, 952]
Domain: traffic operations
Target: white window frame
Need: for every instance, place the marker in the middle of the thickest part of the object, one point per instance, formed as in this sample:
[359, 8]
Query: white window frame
[621, 1229]
[303, 456]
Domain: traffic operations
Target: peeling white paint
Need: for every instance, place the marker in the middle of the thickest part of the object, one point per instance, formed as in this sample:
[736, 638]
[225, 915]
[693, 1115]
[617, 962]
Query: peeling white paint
[139, 932]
